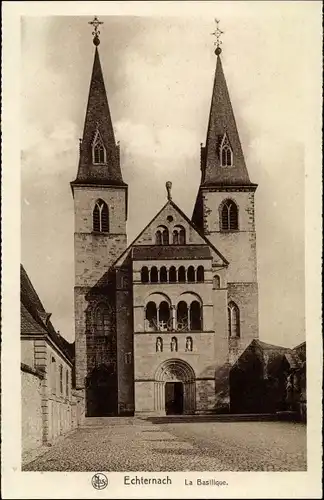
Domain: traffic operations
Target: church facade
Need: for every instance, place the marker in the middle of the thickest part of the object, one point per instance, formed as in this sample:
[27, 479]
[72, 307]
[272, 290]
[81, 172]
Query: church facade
[160, 322]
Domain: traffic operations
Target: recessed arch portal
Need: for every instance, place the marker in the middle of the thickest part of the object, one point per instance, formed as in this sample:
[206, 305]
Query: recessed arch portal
[175, 371]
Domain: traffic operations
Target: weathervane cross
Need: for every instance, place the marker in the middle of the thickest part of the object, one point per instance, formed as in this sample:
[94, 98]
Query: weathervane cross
[217, 33]
[95, 23]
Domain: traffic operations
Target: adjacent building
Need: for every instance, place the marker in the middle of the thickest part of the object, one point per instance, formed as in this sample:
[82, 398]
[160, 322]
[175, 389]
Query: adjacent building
[49, 406]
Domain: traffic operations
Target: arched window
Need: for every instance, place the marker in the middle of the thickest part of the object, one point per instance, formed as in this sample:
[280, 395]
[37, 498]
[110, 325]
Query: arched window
[226, 153]
[102, 320]
[233, 320]
[151, 317]
[164, 316]
[179, 235]
[182, 274]
[159, 345]
[182, 316]
[158, 237]
[172, 275]
[101, 217]
[195, 316]
[163, 275]
[98, 150]
[229, 216]
[191, 274]
[189, 344]
[216, 282]
[162, 236]
[200, 274]
[174, 344]
[175, 237]
[144, 275]
[154, 275]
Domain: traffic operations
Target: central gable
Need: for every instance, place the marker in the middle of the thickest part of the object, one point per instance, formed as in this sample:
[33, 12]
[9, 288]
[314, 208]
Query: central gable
[172, 228]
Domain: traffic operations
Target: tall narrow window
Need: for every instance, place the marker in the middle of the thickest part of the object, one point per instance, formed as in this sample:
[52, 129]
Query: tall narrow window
[200, 274]
[191, 274]
[101, 217]
[229, 216]
[98, 150]
[67, 383]
[158, 237]
[102, 320]
[233, 320]
[53, 375]
[182, 274]
[175, 237]
[195, 316]
[172, 274]
[226, 153]
[61, 379]
[164, 316]
[182, 316]
[163, 275]
[154, 275]
[144, 275]
[151, 317]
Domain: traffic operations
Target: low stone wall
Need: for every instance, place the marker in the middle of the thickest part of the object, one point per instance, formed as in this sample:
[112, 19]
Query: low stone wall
[31, 411]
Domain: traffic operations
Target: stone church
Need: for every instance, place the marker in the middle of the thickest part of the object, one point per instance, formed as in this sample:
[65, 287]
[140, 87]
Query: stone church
[159, 322]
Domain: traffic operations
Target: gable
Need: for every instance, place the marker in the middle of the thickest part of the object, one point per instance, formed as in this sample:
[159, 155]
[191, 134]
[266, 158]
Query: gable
[171, 218]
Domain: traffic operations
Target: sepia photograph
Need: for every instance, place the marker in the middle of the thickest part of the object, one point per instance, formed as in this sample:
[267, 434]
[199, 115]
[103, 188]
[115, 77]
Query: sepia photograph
[163, 235]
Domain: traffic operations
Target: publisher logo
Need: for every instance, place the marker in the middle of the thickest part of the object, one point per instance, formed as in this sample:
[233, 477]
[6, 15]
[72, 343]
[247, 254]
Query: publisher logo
[99, 481]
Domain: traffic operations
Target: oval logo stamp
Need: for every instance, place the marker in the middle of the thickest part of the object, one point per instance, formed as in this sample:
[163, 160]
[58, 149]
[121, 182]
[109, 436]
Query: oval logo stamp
[99, 481]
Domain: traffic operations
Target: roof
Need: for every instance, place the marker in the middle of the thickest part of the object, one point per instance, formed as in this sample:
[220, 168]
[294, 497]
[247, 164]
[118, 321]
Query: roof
[35, 320]
[266, 346]
[274, 352]
[175, 252]
[98, 121]
[222, 124]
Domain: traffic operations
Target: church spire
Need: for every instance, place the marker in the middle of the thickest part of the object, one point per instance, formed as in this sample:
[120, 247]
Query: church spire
[222, 159]
[99, 161]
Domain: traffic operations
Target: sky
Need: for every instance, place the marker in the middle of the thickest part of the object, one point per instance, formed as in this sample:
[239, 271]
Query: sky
[159, 73]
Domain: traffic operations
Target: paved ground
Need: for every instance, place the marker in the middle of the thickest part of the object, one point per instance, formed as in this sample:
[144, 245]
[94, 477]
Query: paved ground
[132, 444]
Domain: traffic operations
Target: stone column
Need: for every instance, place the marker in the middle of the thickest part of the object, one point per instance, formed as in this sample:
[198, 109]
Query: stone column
[174, 318]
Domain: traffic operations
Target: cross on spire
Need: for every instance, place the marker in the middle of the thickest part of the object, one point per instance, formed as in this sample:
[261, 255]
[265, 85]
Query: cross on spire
[95, 23]
[217, 33]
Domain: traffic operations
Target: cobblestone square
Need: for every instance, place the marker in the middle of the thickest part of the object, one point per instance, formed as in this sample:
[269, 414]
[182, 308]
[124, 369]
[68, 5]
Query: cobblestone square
[133, 444]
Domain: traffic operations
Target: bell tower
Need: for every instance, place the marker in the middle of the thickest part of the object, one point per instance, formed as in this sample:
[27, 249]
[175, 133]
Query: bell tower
[224, 209]
[100, 204]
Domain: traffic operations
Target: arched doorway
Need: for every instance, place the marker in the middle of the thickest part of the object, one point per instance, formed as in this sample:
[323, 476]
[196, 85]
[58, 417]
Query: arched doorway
[175, 388]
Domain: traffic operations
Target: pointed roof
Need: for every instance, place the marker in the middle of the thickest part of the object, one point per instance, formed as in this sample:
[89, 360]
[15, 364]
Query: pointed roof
[98, 124]
[222, 127]
[35, 320]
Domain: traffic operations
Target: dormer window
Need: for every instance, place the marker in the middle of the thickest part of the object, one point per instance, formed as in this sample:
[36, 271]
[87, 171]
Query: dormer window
[98, 150]
[226, 153]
